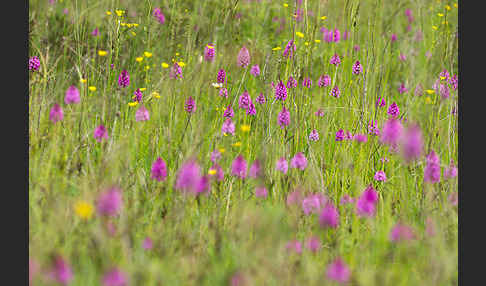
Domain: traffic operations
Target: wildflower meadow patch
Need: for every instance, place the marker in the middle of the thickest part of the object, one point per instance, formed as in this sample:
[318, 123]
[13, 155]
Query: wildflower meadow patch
[249, 142]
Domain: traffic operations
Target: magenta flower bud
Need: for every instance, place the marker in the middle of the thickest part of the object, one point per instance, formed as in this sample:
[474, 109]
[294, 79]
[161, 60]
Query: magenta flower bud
[209, 52]
[34, 63]
[100, 133]
[114, 277]
[401, 232]
[142, 114]
[123, 79]
[299, 161]
[282, 165]
[190, 105]
[110, 202]
[284, 118]
[329, 216]
[72, 95]
[261, 192]
[255, 70]
[243, 59]
[228, 127]
[338, 271]
[238, 167]
[159, 170]
[56, 113]
[281, 91]
[324, 80]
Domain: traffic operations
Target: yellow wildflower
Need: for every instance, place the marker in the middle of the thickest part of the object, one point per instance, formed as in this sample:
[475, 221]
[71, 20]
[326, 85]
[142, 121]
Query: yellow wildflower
[102, 53]
[147, 68]
[442, 77]
[181, 63]
[440, 14]
[317, 41]
[139, 59]
[147, 54]
[177, 54]
[299, 34]
[448, 7]
[286, 5]
[430, 91]
[276, 49]
[237, 144]
[323, 17]
[129, 25]
[124, 24]
[120, 12]
[434, 27]
[212, 172]
[143, 89]
[210, 47]
[83, 80]
[135, 24]
[222, 150]
[155, 94]
[83, 209]
[306, 43]
[92, 88]
[108, 13]
[165, 65]
[245, 128]
[455, 5]
[428, 100]
[133, 103]
[133, 33]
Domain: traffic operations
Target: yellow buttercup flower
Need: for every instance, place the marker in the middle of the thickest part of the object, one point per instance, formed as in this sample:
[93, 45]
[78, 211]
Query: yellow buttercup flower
[210, 47]
[430, 91]
[434, 27]
[177, 54]
[147, 54]
[143, 89]
[133, 103]
[83, 80]
[323, 17]
[181, 63]
[129, 25]
[306, 43]
[237, 144]
[119, 12]
[139, 59]
[165, 65]
[428, 100]
[317, 41]
[455, 5]
[222, 150]
[147, 68]
[124, 24]
[245, 128]
[440, 14]
[83, 209]
[286, 5]
[299, 34]
[92, 88]
[448, 7]
[135, 24]
[212, 172]
[102, 53]
[276, 48]
[108, 13]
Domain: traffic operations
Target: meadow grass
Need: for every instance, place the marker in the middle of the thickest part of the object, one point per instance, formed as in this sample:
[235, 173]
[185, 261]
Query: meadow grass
[206, 240]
